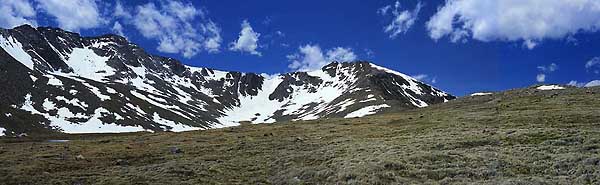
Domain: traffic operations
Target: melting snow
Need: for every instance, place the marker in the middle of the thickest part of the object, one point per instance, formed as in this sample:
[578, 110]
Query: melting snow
[15, 49]
[481, 94]
[550, 87]
[159, 104]
[250, 108]
[344, 104]
[111, 90]
[95, 125]
[413, 85]
[86, 63]
[74, 102]
[366, 111]
[137, 109]
[96, 91]
[53, 80]
[175, 127]
[368, 100]
[92, 125]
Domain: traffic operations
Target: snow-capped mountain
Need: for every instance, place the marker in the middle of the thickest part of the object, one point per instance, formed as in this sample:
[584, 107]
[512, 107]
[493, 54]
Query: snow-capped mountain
[58, 81]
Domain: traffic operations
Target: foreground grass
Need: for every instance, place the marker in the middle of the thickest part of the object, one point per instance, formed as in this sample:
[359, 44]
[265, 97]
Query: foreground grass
[515, 137]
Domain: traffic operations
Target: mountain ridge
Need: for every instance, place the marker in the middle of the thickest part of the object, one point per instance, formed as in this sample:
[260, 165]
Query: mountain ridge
[80, 84]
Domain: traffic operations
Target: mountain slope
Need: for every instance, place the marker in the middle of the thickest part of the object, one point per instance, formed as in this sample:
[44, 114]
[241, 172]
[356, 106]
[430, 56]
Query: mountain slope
[58, 81]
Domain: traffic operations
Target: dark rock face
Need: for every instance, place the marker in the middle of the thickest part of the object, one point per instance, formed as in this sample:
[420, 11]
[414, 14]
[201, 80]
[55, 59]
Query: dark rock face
[58, 81]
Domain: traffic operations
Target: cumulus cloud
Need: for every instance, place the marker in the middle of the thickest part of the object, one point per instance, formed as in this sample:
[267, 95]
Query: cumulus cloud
[425, 77]
[247, 41]
[311, 57]
[120, 11]
[340, 54]
[370, 53]
[73, 15]
[593, 65]
[174, 25]
[118, 29]
[550, 68]
[16, 12]
[420, 76]
[212, 41]
[541, 77]
[402, 20]
[529, 21]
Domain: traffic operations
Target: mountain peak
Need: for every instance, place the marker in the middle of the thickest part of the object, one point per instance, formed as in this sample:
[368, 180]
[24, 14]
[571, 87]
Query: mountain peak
[74, 84]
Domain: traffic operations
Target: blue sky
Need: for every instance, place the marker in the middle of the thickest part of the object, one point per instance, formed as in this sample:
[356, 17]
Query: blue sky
[460, 46]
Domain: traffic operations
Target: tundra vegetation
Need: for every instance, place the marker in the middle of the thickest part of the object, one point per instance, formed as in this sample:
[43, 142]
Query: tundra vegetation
[521, 136]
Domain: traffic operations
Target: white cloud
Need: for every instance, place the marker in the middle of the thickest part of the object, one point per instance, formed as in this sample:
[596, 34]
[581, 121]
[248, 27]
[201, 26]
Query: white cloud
[402, 20]
[370, 53]
[530, 21]
[213, 39]
[311, 57]
[120, 11]
[118, 29]
[16, 12]
[593, 83]
[279, 33]
[247, 41]
[340, 54]
[548, 69]
[425, 77]
[73, 15]
[420, 77]
[593, 65]
[540, 78]
[174, 25]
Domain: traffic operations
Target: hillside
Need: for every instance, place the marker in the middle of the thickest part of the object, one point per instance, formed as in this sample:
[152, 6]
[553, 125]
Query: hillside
[521, 136]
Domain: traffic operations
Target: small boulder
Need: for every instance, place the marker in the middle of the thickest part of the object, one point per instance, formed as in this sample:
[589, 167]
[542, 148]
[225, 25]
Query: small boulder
[175, 150]
[121, 162]
[22, 135]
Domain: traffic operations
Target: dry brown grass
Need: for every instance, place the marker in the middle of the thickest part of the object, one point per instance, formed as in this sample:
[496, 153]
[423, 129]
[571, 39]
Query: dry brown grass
[516, 137]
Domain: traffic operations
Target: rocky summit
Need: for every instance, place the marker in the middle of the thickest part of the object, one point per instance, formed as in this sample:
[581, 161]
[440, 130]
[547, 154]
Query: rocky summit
[58, 81]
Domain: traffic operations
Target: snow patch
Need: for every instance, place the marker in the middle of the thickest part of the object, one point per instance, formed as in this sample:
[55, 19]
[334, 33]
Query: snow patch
[95, 125]
[53, 80]
[96, 91]
[366, 111]
[111, 90]
[15, 49]
[92, 125]
[481, 94]
[550, 87]
[253, 108]
[86, 63]
[174, 126]
[74, 102]
[2, 131]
